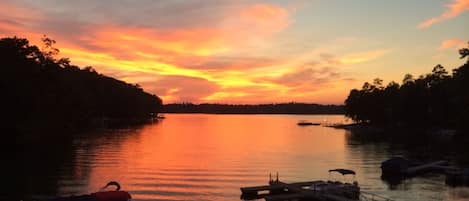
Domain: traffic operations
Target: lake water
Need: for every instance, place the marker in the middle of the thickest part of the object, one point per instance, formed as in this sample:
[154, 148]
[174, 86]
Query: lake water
[209, 157]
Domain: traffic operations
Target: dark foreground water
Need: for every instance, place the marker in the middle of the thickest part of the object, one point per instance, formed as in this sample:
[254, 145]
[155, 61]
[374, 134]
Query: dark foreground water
[208, 157]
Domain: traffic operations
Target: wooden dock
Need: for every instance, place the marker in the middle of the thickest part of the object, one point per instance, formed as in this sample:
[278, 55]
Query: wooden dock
[433, 166]
[398, 166]
[309, 190]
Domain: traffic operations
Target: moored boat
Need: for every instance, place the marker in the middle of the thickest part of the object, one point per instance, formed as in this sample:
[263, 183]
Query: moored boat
[115, 195]
[307, 123]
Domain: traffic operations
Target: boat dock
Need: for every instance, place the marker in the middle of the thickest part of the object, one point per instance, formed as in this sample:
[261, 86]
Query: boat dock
[399, 166]
[309, 190]
[432, 166]
[457, 177]
[312, 190]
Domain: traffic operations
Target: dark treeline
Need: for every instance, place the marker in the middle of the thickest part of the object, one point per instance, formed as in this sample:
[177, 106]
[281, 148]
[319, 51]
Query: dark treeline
[281, 108]
[41, 93]
[435, 100]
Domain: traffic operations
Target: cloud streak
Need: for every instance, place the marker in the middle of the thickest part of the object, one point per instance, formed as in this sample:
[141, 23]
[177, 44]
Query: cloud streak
[455, 8]
[363, 56]
[453, 43]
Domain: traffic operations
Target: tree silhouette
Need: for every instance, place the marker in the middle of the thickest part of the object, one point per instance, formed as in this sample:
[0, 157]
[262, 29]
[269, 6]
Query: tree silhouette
[42, 93]
[464, 52]
[433, 100]
[48, 49]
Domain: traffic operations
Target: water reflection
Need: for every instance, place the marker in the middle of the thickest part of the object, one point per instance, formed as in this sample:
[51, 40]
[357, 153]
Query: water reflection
[208, 157]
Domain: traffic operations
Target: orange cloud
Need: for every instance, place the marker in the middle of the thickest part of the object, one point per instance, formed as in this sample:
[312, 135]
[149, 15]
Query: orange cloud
[13, 18]
[198, 63]
[151, 41]
[453, 43]
[8, 26]
[249, 24]
[455, 8]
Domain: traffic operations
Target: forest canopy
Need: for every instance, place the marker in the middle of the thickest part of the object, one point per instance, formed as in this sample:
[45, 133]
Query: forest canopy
[437, 99]
[40, 92]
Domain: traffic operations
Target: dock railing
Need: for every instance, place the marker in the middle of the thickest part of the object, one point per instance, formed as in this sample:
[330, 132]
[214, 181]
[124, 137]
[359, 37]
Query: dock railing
[366, 196]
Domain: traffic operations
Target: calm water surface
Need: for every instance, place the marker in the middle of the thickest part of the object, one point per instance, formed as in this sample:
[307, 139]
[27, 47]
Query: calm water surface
[209, 157]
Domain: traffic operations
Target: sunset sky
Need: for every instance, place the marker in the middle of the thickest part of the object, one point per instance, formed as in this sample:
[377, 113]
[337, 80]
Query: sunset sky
[237, 51]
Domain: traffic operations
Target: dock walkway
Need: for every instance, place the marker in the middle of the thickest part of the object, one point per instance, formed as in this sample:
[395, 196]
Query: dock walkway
[310, 190]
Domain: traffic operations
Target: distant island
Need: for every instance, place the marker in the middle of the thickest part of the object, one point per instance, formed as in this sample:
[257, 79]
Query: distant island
[45, 96]
[438, 100]
[279, 108]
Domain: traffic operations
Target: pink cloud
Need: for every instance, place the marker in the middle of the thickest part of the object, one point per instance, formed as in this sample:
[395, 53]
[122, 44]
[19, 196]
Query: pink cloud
[453, 43]
[455, 8]
[266, 16]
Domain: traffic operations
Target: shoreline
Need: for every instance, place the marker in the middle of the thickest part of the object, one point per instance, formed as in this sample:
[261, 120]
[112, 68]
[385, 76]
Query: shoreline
[253, 113]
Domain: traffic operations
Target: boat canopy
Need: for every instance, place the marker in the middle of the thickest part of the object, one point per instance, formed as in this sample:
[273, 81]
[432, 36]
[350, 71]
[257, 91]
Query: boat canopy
[343, 171]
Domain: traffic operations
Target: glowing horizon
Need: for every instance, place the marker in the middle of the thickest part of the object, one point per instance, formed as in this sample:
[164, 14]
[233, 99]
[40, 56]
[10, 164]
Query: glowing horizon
[247, 51]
